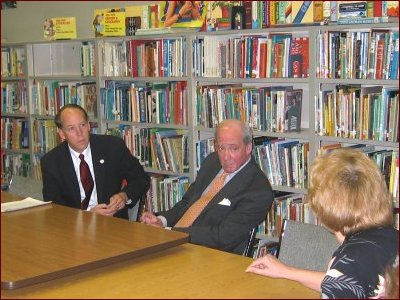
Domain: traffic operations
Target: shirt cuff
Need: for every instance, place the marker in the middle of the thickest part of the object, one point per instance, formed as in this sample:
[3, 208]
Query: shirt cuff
[163, 221]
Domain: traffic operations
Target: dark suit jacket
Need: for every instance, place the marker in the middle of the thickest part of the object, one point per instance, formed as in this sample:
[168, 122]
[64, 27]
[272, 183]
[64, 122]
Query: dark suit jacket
[225, 227]
[112, 162]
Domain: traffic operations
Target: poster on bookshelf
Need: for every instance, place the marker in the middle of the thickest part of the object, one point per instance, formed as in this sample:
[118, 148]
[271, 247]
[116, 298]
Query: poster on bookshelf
[182, 13]
[109, 22]
[59, 28]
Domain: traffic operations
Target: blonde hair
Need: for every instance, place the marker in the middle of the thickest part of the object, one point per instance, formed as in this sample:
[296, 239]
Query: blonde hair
[348, 192]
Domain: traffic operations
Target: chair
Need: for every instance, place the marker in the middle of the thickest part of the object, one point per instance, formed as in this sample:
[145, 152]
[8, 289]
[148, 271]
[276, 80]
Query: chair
[26, 187]
[248, 251]
[306, 246]
[135, 212]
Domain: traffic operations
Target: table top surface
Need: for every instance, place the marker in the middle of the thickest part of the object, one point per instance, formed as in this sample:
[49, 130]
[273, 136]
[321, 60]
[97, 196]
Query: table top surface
[186, 271]
[52, 241]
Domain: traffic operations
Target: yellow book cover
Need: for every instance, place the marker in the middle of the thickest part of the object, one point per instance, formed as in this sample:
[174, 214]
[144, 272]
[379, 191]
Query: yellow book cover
[109, 22]
[133, 11]
[302, 12]
[59, 28]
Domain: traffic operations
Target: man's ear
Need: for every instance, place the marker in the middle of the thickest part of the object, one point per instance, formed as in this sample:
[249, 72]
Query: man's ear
[249, 148]
[61, 134]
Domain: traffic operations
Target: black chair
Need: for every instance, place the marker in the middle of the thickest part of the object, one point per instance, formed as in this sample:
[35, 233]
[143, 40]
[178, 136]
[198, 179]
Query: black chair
[248, 251]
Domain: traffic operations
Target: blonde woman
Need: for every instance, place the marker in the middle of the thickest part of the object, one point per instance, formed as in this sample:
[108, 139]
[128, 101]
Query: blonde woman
[349, 196]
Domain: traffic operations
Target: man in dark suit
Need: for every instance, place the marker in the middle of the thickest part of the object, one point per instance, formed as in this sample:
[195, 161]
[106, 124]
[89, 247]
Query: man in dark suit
[241, 204]
[110, 164]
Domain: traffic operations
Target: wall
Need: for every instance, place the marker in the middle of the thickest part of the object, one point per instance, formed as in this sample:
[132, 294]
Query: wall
[25, 23]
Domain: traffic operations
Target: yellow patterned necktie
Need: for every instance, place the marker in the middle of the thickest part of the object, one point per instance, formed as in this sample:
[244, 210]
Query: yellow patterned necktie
[194, 211]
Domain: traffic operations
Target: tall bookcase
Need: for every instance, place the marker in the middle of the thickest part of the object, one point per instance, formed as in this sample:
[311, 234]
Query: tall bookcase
[170, 76]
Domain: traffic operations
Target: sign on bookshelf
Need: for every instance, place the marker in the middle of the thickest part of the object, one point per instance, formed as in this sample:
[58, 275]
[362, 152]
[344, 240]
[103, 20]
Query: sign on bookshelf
[59, 28]
[109, 22]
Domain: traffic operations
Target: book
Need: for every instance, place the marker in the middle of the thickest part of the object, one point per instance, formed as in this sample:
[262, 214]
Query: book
[22, 204]
[302, 12]
[366, 20]
[298, 58]
[293, 101]
[392, 8]
[352, 9]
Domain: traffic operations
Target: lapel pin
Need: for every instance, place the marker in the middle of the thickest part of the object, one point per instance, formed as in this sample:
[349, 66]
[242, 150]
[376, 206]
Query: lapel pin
[102, 161]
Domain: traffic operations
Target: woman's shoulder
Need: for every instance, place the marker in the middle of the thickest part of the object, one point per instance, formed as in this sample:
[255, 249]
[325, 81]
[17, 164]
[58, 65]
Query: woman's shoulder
[371, 241]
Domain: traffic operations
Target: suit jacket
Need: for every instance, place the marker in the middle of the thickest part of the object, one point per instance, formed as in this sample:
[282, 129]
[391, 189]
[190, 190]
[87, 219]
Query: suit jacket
[225, 227]
[112, 163]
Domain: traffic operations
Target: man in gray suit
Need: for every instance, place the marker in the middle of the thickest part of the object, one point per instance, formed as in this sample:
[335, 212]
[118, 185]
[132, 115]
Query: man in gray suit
[242, 203]
[109, 161]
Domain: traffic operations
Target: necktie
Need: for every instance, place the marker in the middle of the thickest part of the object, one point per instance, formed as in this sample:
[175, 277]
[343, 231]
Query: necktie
[86, 180]
[194, 211]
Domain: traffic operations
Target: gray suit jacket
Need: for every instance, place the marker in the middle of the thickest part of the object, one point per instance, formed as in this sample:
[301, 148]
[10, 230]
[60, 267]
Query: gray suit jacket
[112, 163]
[225, 227]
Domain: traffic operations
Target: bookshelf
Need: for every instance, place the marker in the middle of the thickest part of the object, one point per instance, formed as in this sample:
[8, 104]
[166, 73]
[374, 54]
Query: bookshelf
[152, 90]
[15, 114]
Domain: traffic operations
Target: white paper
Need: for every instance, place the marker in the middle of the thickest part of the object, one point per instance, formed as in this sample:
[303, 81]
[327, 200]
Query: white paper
[22, 204]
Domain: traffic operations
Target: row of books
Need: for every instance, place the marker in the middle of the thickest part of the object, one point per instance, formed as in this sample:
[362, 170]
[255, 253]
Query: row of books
[284, 162]
[266, 56]
[386, 160]
[14, 97]
[14, 133]
[204, 147]
[275, 109]
[157, 148]
[45, 135]
[17, 163]
[145, 58]
[12, 62]
[165, 192]
[88, 63]
[370, 54]
[352, 111]
[48, 96]
[286, 206]
[159, 103]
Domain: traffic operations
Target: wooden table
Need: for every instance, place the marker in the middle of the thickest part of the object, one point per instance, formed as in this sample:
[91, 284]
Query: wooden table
[185, 271]
[52, 241]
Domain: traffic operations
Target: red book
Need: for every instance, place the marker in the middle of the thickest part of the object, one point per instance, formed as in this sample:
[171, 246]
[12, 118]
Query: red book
[247, 12]
[377, 8]
[299, 58]
[263, 60]
[255, 70]
[379, 59]
[133, 44]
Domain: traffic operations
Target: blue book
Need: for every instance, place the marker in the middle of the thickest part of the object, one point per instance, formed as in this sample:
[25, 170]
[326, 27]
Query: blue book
[394, 65]
[302, 11]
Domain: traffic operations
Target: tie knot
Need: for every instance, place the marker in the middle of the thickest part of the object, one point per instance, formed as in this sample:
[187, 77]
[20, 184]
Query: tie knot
[81, 156]
[223, 175]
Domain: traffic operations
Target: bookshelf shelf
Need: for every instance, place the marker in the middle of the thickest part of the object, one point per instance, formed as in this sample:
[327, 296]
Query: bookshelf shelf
[62, 62]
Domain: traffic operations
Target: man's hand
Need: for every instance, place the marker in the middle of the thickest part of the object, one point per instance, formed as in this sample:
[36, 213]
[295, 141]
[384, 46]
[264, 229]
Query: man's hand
[117, 202]
[150, 219]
